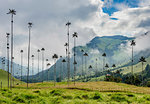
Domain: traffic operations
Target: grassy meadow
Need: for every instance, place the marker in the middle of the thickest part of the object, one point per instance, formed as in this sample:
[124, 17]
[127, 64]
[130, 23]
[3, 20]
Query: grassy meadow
[81, 93]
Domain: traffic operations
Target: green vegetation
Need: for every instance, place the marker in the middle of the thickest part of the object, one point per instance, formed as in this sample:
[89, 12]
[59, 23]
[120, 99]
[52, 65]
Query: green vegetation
[4, 78]
[82, 93]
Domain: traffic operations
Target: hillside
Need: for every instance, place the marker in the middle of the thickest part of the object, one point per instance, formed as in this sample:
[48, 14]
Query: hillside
[137, 67]
[4, 78]
[98, 45]
[82, 93]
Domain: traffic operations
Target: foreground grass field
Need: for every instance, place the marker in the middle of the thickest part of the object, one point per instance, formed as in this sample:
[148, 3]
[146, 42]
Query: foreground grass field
[82, 93]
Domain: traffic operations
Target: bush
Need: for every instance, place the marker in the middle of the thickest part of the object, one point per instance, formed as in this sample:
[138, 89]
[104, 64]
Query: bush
[130, 95]
[28, 96]
[37, 91]
[85, 96]
[77, 97]
[97, 96]
[67, 97]
[147, 98]
[56, 92]
[18, 99]
[119, 98]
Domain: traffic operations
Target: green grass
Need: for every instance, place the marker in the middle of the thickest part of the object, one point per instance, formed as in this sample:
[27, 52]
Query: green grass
[4, 78]
[82, 93]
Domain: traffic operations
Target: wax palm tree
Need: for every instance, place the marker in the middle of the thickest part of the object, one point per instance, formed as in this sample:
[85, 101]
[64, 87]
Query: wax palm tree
[106, 66]
[90, 68]
[74, 35]
[60, 72]
[104, 56]
[63, 61]
[42, 63]
[142, 60]
[74, 63]
[21, 52]
[38, 62]
[55, 57]
[82, 51]
[66, 45]
[48, 64]
[96, 70]
[85, 55]
[113, 66]
[12, 12]
[29, 26]
[68, 66]
[13, 71]
[133, 43]
[32, 66]
[8, 56]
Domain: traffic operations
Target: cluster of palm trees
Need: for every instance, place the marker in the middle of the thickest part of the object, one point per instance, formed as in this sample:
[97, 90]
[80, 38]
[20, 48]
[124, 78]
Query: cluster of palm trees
[12, 12]
[10, 45]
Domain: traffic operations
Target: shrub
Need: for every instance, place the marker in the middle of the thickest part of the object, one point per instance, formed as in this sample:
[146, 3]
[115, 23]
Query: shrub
[29, 96]
[130, 95]
[97, 96]
[67, 96]
[77, 97]
[147, 98]
[119, 98]
[37, 91]
[56, 92]
[85, 96]
[18, 99]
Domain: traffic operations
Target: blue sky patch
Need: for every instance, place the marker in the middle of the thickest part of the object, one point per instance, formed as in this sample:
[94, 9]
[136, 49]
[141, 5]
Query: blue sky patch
[110, 10]
[114, 18]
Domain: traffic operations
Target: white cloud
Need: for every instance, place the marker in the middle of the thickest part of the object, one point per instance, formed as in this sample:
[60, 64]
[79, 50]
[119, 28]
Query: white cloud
[49, 18]
[144, 3]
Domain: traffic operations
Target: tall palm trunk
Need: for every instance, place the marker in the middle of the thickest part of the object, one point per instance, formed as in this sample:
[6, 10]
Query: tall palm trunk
[96, 70]
[132, 61]
[55, 72]
[68, 24]
[38, 64]
[8, 56]
[63, 70]
[30, 25]
[74, 59]
[11, 50]
[32, 67]
[85, 70]
[82, 76]
[12, 12]
[142, 72]
[42, 66]
[103, 63]
[21, 64]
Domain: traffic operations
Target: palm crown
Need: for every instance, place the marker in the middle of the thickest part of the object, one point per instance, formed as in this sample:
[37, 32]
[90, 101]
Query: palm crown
[142, 59]
[104, 54]
[75, 34]
[133, 43]
[12, 11]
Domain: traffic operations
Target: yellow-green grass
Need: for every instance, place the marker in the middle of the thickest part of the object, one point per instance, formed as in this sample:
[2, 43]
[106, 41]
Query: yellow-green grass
[81, 93]
[101, 86]
[4, 78]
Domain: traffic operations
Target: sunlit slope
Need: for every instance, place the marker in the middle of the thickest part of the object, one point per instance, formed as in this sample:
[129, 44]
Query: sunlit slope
[137, 67]
[4, 78]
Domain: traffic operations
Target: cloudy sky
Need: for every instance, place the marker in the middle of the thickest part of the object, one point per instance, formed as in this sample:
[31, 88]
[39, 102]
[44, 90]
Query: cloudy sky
[89, 18]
